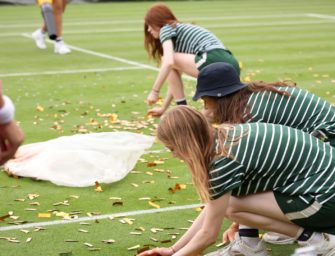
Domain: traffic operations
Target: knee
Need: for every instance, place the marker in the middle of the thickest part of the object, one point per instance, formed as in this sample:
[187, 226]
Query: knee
[232, 212]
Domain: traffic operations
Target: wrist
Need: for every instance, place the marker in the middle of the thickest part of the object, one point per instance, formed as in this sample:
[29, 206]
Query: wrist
[7, 111]
[172, 250]
[155, 90]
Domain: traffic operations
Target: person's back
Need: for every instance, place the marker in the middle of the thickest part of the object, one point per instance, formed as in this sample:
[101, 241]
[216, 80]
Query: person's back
[301, 110]
[275, 157]
[188, 38]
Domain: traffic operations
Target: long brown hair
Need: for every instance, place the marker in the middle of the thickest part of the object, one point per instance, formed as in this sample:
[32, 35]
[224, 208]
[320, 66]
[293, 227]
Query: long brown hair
[187, 132]
[157, 16]
[233, 107]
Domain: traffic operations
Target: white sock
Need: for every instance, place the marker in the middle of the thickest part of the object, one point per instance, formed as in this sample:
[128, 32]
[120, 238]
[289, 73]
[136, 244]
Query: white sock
[250, 241]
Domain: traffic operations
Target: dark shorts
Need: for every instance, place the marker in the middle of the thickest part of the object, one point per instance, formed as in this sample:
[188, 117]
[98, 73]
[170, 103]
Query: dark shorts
[202, 59]
[308, 216]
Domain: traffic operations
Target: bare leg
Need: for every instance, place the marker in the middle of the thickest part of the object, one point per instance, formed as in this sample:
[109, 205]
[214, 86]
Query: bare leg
[176, 87]
[185, 63]
[59, 8]
[262, 211]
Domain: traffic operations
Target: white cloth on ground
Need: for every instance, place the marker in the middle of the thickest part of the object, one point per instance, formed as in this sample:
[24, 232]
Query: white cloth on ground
[82, 159]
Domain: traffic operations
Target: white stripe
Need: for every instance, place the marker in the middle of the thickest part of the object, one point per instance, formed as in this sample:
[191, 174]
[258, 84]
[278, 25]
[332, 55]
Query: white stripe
[100, 217]
[259, 24]
[57, 72]
[107, 56]
[321, 16]
[286, 89]
[190, 19]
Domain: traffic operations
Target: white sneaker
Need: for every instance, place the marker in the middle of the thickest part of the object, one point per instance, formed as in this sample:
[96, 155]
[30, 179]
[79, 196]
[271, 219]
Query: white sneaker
[238, 247]
[61, 48]
[276, 238]
[39, 38]
[326, 247]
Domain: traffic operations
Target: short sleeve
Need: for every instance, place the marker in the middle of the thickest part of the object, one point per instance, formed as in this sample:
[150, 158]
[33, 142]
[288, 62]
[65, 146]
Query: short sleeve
[167, 32]
[224, 176]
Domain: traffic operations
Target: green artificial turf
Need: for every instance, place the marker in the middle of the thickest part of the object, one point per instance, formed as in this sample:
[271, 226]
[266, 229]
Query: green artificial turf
[274, 40]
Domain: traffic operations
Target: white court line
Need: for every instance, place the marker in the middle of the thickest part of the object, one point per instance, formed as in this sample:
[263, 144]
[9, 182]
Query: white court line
[322, 16]
[68, 71]
[99, 217]
[110, 57]
[234, 25]
[189, 19]
[105, 56]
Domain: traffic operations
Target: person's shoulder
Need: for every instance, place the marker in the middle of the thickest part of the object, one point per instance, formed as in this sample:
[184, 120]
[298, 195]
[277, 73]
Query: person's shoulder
[166, 28]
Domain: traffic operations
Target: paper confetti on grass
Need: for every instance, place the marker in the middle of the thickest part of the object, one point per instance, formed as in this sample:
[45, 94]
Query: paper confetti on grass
[176, 188]
[44, 215]
[134, 247]
[98, 187]
[157, 206]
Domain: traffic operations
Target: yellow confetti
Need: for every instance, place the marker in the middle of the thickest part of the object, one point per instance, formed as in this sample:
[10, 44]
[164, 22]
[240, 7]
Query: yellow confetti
[44, 215]
[154, 205]
[33, 196]
[39, 108]
[240, 63]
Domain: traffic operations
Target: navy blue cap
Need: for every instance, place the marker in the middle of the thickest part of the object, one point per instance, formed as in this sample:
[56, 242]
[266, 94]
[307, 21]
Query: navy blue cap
[217, 80]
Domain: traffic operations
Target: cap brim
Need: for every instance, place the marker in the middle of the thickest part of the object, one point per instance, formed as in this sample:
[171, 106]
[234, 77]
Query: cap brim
[218, 93]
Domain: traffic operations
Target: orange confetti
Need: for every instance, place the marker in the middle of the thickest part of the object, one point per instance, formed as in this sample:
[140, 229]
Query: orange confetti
[98, 187]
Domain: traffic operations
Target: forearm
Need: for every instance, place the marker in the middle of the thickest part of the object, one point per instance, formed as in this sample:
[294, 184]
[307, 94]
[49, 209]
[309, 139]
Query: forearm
[162, 75]
[167, 100]
[198, 243]
[190, 233]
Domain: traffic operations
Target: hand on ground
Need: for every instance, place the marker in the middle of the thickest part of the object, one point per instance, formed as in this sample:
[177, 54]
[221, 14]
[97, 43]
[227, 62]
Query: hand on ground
[229, 234]
[156, 112]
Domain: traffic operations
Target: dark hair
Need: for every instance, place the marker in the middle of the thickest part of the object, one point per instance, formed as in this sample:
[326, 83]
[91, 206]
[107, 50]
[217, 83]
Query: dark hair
[233, 107]
[157, 16]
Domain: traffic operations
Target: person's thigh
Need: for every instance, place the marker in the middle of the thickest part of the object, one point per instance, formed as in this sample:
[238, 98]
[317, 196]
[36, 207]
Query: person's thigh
[186, 63]
[263, 204]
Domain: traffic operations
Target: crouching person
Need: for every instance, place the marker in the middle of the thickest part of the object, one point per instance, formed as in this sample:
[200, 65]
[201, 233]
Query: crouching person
[267, 176]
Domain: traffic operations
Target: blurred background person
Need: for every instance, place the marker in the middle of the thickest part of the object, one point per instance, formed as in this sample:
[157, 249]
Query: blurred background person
[58, 7]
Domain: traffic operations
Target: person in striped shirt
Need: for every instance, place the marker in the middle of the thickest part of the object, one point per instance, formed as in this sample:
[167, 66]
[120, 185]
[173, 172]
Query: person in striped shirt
[228, 100]
[268, 176]
[179, 48]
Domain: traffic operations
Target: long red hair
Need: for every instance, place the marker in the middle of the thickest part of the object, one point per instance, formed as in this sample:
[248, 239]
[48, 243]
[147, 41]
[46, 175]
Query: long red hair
[157, 16]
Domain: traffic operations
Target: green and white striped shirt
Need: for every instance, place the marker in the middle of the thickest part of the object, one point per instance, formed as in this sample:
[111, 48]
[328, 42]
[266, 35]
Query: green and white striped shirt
[302, 110]
[189, 38]
[271, 157]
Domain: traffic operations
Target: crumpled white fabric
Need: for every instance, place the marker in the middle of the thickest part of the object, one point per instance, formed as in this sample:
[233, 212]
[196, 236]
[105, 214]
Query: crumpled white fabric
[81, 160]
